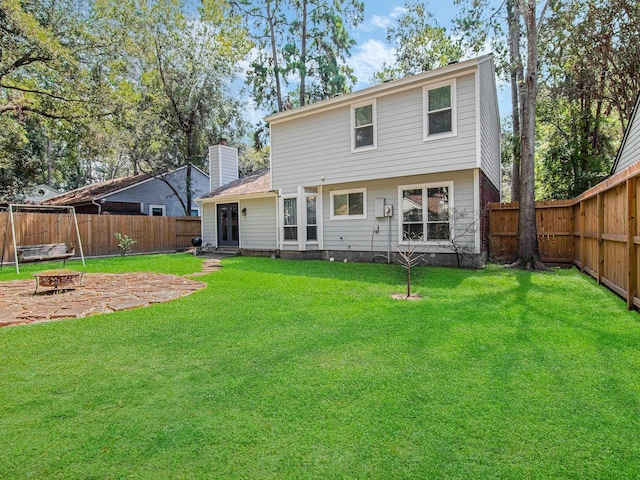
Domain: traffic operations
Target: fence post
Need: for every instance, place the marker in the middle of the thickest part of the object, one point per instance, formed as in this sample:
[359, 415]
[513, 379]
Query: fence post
[582, 240]
[599, 232]
[632, 283]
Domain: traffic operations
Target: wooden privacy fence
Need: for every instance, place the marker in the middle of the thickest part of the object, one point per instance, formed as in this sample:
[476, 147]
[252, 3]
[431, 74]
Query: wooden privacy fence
[597, 231]
[97, 232]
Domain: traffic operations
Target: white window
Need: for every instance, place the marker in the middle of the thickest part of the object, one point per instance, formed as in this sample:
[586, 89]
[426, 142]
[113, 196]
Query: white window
[349, 204]
[157, 210]
[440, 110]
[363, 126]
[195, 211]
[312, 218]
[290, 218]
[426, 212]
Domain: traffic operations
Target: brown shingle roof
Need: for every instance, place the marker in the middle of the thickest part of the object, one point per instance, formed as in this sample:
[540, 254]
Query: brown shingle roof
[96, 190]
[256, 182]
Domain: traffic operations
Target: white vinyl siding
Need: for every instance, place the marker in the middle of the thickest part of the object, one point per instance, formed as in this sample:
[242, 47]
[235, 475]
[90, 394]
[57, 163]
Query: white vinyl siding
[489, 124]
[209, 236]
[361, 235]
[316, 150]
[259, 224]
[223, 165]
[630, 150]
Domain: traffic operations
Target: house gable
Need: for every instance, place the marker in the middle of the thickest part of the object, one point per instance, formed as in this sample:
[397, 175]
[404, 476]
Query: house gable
[314, 146]
[629, 151]
[155, 192]
[134, 194]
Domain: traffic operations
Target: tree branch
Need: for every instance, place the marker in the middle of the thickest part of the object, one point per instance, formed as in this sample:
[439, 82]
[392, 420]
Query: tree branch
[40, 92]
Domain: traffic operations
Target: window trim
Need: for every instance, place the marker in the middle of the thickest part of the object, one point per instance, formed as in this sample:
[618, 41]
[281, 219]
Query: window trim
[374, 114]
[291, 241]
[162, 207]
[425, 217]
[425, 111]
[335, 193]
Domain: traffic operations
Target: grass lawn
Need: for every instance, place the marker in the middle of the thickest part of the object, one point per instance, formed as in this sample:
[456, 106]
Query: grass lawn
[292, 369]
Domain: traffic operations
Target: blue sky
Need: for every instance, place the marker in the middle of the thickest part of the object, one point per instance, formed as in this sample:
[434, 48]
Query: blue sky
[372, 49]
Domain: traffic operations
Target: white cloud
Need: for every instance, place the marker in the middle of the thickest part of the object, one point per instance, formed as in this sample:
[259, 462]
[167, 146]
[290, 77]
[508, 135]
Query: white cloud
[381, 22]
[397, 11]
[368, 58]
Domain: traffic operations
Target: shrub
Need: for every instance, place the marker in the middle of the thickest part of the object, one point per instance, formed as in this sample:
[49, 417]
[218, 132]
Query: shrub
[125, 243]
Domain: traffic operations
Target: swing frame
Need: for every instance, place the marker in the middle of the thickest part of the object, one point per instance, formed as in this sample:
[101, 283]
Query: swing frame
[10, 220]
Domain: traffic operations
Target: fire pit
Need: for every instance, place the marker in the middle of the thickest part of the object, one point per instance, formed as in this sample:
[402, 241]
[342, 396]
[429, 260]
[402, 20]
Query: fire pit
[58, 279]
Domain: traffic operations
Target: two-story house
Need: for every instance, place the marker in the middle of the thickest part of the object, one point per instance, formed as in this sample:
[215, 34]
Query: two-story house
[354, 176]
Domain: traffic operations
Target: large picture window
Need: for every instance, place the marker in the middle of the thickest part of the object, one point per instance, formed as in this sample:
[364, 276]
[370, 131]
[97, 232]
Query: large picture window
[349, 204]
[290, 218]
[363, 121]
[426, 212]
[440, 110]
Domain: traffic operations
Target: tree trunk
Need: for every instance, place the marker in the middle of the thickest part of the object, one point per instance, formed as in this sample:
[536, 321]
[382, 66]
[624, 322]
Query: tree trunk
[274, 55]
[528, 250]
[188, 188]
[49, 162]
[189, 193]
[513, 20]
[303, 54]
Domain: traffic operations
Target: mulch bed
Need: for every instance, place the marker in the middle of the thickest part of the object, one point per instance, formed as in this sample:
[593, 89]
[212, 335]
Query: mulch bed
[100, 293]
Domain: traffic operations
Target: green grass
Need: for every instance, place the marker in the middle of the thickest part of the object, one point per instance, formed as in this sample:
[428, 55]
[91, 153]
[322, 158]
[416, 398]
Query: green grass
[291, 369]
[178, 264]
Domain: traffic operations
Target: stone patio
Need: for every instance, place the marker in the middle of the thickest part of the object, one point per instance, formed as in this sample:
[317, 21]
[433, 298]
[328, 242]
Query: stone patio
[100, 293]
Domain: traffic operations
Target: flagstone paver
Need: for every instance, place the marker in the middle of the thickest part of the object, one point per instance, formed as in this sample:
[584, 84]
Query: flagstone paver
[100, 293]
[208, 265]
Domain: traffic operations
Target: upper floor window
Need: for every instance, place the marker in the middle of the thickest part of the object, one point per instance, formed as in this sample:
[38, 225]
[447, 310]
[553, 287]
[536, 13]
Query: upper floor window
[363, 121]
[349, 204]
[440, 110]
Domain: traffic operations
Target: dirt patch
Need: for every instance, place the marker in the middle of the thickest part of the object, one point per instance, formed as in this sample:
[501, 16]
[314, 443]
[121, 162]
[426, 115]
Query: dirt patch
[403, 296]
[100, 293]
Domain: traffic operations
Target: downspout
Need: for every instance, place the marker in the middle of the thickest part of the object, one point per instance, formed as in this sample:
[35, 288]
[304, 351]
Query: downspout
[97, 205]
[389, 242]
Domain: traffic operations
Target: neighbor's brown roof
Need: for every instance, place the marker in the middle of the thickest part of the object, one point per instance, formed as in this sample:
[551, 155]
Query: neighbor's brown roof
[96, 190]
[256, 182]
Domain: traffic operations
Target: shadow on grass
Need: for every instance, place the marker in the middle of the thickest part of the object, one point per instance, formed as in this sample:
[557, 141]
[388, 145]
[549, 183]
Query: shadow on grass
[374, 273]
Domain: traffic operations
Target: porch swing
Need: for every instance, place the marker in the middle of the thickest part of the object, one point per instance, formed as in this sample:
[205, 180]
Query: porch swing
[42, 252]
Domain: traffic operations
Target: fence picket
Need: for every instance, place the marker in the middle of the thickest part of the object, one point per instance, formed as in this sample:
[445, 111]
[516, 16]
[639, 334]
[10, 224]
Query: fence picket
[97, 232]
[597, 231]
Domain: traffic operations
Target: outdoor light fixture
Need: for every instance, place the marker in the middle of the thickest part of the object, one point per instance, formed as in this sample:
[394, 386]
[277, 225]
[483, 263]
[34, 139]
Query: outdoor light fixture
[244, 211]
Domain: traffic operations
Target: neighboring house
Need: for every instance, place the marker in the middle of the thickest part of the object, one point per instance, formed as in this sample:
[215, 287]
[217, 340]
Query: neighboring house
[140, 194]
[629, 151]
[40, 193]
[352, 176]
